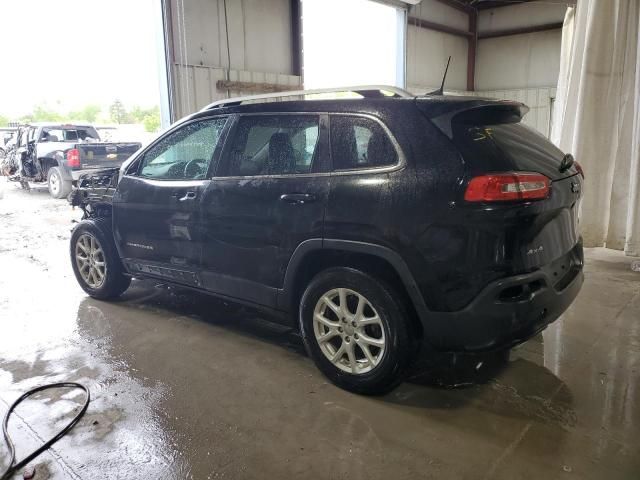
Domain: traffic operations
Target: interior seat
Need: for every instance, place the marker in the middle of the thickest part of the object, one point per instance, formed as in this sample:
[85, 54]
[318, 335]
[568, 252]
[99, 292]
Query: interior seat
[282, 158]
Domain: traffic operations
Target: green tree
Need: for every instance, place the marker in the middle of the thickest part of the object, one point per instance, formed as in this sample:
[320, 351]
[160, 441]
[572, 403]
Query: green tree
[152, 122]
[138, 113]
[88, 113]
[4, 121]
[118, 112]
[42, 113]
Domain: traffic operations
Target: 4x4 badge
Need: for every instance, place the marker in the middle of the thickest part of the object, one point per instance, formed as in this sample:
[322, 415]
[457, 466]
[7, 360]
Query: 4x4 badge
[575, 187]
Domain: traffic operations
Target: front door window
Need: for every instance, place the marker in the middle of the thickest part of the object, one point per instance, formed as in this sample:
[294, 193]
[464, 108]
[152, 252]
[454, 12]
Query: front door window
[186, 154]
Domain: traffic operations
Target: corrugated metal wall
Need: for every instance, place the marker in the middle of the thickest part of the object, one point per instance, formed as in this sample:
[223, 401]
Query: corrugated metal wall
[240, 40]
[195, 85]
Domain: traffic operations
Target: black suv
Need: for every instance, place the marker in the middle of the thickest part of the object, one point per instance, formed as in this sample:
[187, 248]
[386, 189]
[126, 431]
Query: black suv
[375, 224]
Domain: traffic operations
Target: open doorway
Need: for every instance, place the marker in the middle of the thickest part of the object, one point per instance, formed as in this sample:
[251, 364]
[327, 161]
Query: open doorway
[352, 42]
[82, 61]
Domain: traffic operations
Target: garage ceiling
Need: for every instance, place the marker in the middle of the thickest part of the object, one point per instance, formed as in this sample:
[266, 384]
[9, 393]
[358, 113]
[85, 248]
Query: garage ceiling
[486, 4]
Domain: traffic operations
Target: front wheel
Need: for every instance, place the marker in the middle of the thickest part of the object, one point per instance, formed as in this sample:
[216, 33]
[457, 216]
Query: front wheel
[356, 330]
[58, 187]
[95, 260]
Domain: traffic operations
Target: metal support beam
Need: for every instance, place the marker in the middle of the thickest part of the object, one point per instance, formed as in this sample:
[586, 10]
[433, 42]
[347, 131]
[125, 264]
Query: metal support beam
[166, 64]
[438, 27]
[471, 51]
[296, 37]
[520, 31]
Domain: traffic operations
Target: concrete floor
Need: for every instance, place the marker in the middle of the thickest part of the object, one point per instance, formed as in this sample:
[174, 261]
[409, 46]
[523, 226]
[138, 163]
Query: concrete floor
[184, 386]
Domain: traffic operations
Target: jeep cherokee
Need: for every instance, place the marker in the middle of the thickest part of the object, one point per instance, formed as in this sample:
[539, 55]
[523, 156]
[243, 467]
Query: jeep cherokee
[374, 224]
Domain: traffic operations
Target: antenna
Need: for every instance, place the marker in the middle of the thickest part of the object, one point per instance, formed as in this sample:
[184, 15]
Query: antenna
[440, 91]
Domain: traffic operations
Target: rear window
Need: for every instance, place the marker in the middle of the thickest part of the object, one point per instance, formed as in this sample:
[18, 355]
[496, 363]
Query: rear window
[507, 147]
[273, 145]
[360, 142]
[76, 134]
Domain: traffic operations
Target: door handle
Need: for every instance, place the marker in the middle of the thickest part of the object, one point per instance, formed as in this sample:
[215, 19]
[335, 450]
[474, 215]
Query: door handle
[185, 197]
[298, 198]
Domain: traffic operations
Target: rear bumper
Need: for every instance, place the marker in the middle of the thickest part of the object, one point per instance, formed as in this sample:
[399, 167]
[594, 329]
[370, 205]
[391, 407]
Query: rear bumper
[511, 310]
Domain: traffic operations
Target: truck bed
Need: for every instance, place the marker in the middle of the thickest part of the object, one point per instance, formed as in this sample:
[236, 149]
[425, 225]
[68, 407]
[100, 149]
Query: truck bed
[104, 155]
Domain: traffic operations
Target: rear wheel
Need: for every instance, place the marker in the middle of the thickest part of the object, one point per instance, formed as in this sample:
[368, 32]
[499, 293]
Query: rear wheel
[95, 260]
[356, 330]
[58, 187]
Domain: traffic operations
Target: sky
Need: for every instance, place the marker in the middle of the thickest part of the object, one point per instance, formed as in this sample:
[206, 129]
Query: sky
[358, 46]
[69, 53]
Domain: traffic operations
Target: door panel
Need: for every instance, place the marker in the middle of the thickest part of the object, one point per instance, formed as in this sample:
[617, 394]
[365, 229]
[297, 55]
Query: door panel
[157, 214]
[158, 221]
[251, 233]
[253, 223]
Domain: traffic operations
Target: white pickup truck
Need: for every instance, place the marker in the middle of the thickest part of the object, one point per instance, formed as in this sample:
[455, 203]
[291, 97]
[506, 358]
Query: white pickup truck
[59, 153]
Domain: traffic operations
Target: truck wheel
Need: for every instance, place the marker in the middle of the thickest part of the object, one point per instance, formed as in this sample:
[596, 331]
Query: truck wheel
[95, 260]
[58, 187]
[356, 331]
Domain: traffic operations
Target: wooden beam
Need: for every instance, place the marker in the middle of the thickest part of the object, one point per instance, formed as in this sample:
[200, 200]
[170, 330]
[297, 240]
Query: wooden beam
[254, 86]
[438, 27]
[520, 31]
[471, 51]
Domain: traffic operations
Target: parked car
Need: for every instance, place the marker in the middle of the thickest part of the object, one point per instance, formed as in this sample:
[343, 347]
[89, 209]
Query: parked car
[8, 138]
[59, 153]
[374, 225]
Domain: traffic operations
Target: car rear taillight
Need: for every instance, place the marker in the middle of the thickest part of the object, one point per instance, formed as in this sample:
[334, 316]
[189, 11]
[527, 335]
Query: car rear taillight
[73, 158]
[579, 168]
[504, 187]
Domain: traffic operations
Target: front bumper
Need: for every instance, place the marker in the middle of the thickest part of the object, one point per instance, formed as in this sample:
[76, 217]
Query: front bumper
[511, 310]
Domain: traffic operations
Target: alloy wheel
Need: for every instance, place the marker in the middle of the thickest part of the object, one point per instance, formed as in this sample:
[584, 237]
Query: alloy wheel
[349, 331]
[90, 260]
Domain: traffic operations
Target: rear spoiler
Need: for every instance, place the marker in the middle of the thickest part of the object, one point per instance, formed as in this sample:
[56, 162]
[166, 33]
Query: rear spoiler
[442, 111]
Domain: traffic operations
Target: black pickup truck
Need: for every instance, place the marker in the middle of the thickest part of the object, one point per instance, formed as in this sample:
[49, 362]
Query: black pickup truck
[59, 153]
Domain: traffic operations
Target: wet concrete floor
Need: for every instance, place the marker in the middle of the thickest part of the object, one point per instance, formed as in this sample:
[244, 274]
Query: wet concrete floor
[184, 386]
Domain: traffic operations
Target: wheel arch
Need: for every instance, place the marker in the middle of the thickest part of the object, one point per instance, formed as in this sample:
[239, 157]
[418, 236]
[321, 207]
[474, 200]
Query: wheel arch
[47, 163]
[315, 255]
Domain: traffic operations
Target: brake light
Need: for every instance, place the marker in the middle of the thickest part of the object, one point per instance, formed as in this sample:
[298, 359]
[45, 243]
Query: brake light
[73, 158]
[504, 187]
[579, 168]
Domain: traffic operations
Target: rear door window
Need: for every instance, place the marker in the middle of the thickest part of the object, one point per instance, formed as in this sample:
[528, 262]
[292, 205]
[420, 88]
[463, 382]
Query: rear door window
[272, 145]
[360, 142]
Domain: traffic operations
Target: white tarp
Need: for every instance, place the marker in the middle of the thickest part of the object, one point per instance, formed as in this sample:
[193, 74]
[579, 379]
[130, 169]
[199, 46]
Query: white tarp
[597, 117]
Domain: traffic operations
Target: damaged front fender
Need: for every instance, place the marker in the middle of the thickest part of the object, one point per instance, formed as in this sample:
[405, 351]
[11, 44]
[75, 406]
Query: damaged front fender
[94, 192]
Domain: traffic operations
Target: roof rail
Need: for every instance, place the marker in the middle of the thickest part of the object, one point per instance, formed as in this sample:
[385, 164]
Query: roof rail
[366, 91]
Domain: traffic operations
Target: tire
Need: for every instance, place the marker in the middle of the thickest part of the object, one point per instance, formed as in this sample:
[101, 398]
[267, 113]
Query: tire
[112, 282]
[389, 364]
[58, 187]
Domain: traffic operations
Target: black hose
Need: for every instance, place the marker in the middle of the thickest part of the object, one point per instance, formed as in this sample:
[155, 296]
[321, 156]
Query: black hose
[12, 469]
